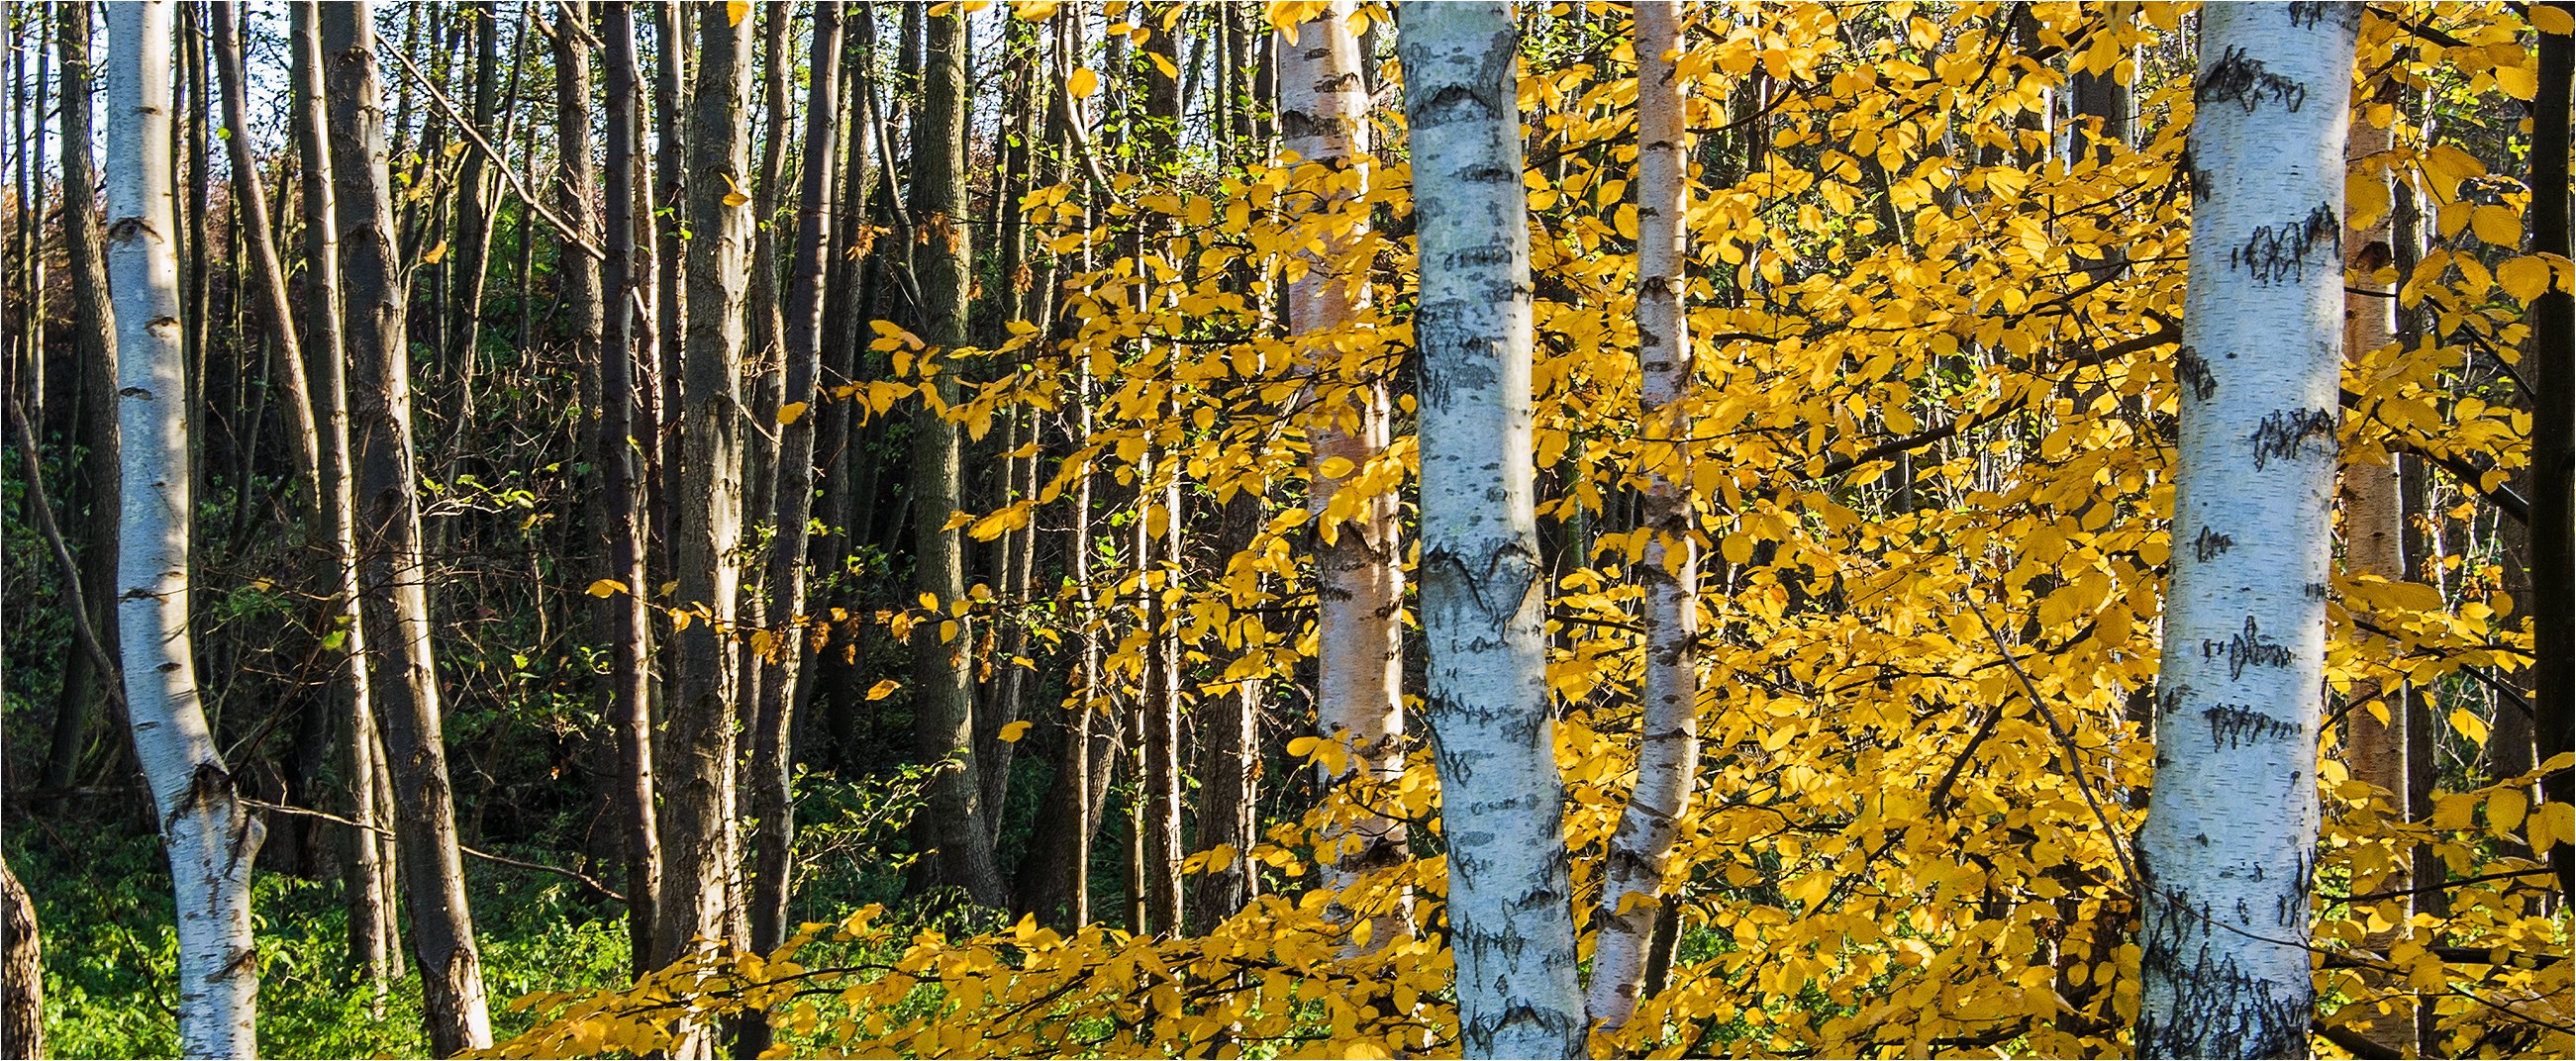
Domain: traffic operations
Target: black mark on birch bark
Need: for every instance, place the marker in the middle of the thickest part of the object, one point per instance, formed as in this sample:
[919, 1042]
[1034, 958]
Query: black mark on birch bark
[2241, 79]
[2276, 253]
[2209, 544]
[2284, 433]
[2193, 370]
[2237, 725]
[2246, 649]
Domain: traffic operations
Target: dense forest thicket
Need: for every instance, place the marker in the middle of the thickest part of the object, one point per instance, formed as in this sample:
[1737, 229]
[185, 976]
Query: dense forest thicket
[1317, 528]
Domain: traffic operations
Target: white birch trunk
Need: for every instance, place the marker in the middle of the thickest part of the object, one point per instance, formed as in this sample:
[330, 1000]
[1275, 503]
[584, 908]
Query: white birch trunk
[1668, 748]
[211, 837]
[1493, 730]
[2225, 856]
[1359, 680]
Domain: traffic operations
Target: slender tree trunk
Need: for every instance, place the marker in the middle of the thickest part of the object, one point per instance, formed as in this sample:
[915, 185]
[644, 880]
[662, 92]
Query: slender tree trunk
[2553, 443]
[630, 675]
[371, 919]
[471, 261]
[1668, 739]
[670, 102]
[943, 687]
[700, 843]
[1483, 601]
[762, 365]
[2225, 856]
[94, 325]
[1160, 812]
[395, 593]
[304, 441]
[774, 725]
[211, 837]
[575, 179]
[1359, 677]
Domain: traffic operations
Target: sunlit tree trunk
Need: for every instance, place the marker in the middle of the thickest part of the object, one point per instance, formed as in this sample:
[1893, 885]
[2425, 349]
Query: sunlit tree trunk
[1668, 741]
[372, 933]
[395, 595]
[1483, 603]
[774, 724]
[1360, 587]
[212, 839]
[22, 969]
[699, 842]
[629, 336]
[2226, 855]
[943, 692]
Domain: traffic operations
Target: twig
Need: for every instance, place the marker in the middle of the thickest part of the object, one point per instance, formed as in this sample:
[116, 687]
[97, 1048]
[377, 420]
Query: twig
[562, 228]
[109, 674]
[2074, 756]
[583, 879]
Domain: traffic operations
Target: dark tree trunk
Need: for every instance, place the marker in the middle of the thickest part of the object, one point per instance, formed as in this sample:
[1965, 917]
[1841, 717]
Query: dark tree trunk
[629, 677]
[943, 689]
[2553, 441]
[395, 595]
[85, 690]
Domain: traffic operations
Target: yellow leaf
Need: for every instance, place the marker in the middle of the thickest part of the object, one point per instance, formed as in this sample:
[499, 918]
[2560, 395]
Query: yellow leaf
[2524, 278]
[788, 413]
[947, 631]
[736, 11]
[883, 689]
[2497, 225]
[930, 601]
[2505, 810]
[2470, 726]
[1083, 83]
[607, 587]
[432, 255]
[734, 197]
[2519, 82]
[1011, 734]
[2549, 19]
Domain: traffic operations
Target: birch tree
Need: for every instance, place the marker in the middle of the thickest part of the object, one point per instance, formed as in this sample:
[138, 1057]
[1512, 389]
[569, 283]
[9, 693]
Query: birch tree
[1483, 604]
[211, 837]
[1359, 591]
[1668, 751]
[2226, 855]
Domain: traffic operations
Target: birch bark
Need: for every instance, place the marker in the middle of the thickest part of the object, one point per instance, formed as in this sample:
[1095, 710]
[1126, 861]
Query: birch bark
[1668, 750]
[1359, 663]
[211, 838]
[1483, 605]
[2225, 856]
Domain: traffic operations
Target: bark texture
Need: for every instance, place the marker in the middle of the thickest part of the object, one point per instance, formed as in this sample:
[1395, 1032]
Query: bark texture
[1493, 730]
[1359, 678]
[1668, 742]
[943, 686]
[700, 846]
[2225, 857]
[394, 591]
[212, 839]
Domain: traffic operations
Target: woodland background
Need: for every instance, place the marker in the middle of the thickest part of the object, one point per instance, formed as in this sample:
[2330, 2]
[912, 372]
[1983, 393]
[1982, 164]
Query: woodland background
[1050, 594]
